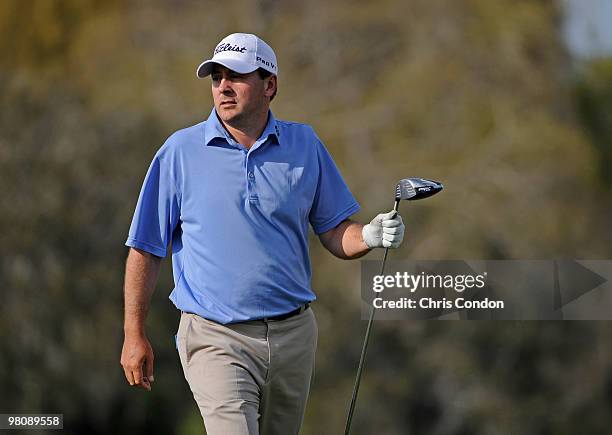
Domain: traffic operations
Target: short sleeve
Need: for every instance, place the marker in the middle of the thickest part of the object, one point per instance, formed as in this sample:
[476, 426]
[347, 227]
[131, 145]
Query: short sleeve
[333, 200]
[157, 210]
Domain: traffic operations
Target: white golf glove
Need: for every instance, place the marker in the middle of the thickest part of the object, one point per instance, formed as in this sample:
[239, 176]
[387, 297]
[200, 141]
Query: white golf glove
[385, 231]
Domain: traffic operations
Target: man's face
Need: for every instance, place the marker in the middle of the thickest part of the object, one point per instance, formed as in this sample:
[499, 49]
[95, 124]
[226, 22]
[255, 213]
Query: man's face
[239, 97]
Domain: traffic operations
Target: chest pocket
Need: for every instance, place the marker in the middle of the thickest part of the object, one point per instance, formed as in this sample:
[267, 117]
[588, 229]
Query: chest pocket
[282, 188]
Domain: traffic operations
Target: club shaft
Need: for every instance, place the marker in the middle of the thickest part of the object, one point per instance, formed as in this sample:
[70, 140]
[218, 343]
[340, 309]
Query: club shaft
[364, 349]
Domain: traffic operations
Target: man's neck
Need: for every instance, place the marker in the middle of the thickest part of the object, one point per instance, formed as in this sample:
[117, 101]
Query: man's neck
[247, 134]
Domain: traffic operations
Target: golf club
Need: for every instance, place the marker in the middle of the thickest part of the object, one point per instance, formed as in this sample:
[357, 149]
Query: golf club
[410, 189]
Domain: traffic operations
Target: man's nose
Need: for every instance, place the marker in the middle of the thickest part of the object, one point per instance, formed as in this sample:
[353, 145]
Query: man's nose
[225, 85]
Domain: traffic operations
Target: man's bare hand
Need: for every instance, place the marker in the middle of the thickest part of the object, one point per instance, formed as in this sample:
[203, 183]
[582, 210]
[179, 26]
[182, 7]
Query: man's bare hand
[137, 361]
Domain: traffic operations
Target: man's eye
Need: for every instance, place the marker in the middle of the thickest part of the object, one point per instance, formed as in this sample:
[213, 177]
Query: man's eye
[215, 77]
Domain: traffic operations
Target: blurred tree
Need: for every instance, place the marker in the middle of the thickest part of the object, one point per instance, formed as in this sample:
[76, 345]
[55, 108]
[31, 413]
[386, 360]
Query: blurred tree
[594, 96]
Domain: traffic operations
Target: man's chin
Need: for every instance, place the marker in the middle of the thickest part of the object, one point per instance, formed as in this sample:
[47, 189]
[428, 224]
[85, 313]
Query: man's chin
[228, 114]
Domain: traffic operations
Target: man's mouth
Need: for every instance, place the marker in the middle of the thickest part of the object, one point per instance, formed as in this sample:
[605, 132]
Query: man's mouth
[226, 103]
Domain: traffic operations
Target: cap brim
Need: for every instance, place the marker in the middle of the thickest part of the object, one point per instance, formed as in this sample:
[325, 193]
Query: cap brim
[240, 67]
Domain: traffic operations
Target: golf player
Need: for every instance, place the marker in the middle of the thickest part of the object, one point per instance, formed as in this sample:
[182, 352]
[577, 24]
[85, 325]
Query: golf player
[236, 194]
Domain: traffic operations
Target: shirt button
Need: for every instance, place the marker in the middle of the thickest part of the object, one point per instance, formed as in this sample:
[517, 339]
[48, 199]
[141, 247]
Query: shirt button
[251, 176]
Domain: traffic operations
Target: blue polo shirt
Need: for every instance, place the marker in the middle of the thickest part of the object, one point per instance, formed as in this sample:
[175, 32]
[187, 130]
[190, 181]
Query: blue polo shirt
[238, 219]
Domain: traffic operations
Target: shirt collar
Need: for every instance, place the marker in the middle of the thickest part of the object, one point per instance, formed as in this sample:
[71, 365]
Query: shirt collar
[214, 129]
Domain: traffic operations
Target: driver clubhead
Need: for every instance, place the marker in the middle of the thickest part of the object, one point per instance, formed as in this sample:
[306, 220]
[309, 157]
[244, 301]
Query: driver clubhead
[412, 189]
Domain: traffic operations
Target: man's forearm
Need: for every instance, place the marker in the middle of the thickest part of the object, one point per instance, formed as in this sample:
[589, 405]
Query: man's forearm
[141, 271]
[345, 241]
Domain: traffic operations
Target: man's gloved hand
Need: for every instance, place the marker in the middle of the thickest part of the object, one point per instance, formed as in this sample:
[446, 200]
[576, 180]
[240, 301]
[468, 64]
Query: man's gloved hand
[385, 231]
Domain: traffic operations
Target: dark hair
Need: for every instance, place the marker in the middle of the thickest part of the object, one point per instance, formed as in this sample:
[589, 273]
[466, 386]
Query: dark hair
[264, 74]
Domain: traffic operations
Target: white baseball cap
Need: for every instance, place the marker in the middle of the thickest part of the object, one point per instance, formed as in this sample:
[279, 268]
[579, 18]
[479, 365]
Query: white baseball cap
[241, 52]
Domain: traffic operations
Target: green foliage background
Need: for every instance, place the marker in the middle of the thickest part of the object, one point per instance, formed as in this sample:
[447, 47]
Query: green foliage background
[478, 94]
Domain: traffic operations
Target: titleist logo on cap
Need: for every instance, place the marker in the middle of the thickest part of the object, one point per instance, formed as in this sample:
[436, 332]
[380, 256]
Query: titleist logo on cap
[229, 47]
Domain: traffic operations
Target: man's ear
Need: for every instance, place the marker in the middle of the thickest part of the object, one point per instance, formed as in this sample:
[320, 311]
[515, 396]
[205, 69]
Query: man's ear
[270, 86]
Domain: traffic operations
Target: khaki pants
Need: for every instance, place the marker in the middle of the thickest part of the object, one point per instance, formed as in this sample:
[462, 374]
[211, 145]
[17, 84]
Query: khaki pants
[249, 378]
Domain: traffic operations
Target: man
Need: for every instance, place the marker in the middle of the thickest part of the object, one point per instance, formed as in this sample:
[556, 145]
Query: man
[236, 194]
